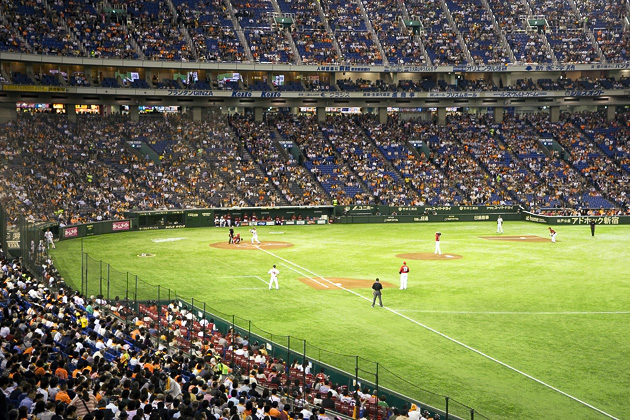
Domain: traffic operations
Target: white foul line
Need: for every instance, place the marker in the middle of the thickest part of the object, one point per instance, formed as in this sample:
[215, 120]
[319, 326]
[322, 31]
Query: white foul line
[450, 338]
[244, 277]
[305, 275]
[428, 311]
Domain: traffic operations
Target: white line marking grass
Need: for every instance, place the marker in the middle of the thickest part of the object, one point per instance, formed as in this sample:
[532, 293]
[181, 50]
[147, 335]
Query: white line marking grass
[428, 311]
[244, 277]
[301, 273]
[447, 337]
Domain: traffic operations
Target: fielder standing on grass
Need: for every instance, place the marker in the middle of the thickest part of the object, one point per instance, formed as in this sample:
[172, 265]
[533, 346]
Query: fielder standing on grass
[437, 243]
[553, 234]
[592, 223]
[274, 276]
[404, 270]
[376, 291]
[499, 224]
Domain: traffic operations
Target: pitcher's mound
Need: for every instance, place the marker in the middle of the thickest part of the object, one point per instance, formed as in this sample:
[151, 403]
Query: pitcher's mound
[429, 256]
[522, 238]
[247, 246]
[334, 283]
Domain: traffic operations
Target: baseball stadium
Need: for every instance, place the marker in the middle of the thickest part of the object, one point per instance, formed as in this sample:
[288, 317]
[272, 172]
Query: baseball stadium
[314, 209]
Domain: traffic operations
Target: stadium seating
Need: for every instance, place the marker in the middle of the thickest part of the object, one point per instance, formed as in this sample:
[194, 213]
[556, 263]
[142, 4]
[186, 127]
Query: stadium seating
[470, 160]
[453, 32]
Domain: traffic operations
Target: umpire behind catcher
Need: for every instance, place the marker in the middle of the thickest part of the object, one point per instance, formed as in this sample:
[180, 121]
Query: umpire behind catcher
[377, 287]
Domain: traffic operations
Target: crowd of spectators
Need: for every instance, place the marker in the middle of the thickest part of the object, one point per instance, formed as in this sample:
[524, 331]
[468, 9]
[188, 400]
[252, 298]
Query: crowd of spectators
[43, 30]
[211, 30]
[348, 23]
[312, 40]
[606, 178]
[473, 21]
[86, 171]
[399, 43]
[366, 161]
[9, 40]
[330, 170]
[155, 28]
[422, 182]
[573, 47]
[583, 31]
[606, 21]
[560, 185]
[283, 171]
[439, 36]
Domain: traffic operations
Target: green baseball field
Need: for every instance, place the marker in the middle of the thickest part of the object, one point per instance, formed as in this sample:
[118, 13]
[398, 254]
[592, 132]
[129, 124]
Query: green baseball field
[512, 325]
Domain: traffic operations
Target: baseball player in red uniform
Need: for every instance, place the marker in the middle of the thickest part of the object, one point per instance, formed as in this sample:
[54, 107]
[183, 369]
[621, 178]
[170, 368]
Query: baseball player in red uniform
[404, 270]
[552, 233]
[437, 243]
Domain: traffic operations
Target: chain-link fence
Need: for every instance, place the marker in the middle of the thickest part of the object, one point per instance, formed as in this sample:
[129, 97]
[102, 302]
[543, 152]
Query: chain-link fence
[4, 223]
[137, 297]
[33, 243]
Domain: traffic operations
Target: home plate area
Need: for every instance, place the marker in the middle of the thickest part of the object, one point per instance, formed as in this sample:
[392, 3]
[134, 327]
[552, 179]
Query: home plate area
[341, 282]
[247, 246]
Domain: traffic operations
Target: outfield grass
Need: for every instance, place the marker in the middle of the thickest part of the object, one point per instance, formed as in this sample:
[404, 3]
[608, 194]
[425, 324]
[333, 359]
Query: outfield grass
[558, 312]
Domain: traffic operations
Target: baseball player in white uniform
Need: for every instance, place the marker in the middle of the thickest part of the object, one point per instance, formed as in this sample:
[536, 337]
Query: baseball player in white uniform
[274, 276]
[499, 224]
[404, 270]
[48, 235]
[254, 236]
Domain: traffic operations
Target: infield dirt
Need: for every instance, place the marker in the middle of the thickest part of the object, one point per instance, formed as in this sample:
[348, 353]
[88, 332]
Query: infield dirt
[247, 246]
[320, 284]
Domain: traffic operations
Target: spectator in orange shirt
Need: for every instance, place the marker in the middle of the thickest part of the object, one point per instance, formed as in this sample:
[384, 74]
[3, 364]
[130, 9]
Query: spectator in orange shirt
[61, 372]
[62, 395]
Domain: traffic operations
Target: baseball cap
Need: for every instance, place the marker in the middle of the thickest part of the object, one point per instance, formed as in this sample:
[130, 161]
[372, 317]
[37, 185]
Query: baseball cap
[404, 262]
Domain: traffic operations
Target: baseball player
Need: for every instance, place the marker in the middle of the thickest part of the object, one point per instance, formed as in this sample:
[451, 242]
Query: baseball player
[437, 243]
[499, 224]
[376, 291]
[254, 236]
[48, 235]
[553, 234]
[274, 276]
[404, 270]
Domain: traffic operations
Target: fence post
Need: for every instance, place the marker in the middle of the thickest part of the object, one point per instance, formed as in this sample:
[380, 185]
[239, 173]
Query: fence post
[157, 305]
[233, 338]
[356, 369]
[249, 338]
[191, 309]
[376, 381]
[304, 364]
[100, 277]
[84, 270]
[82, 265]
[289, 355]
[205, 321]
[127, 287]
[446, 409]
[136, 294]
[472, 414]
[108, 279]
[84, 291]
